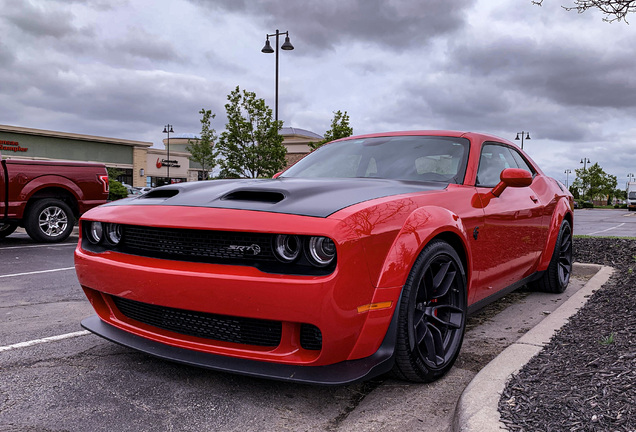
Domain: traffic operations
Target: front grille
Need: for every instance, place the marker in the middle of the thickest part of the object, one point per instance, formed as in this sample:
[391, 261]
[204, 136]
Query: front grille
[197, 245]
[205, 246]
[310, 337]
[224, 328]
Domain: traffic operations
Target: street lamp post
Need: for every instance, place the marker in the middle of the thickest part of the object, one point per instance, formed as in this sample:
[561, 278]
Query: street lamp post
[567, 174]
[287, 46]
[527, 134]
[167, 129]
[585, 161]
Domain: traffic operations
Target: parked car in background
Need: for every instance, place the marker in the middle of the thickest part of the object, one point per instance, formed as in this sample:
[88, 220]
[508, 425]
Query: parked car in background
[364, 257]
[47, 197]
[631, 196]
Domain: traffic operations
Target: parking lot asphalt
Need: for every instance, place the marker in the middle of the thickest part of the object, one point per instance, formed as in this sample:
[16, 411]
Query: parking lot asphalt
[57, 377]
[605, 222]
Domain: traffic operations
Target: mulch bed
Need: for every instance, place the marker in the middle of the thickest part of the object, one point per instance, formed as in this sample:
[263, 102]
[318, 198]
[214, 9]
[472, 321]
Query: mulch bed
[585, 378]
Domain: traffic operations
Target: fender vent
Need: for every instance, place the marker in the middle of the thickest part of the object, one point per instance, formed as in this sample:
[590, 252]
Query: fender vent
[258, 196]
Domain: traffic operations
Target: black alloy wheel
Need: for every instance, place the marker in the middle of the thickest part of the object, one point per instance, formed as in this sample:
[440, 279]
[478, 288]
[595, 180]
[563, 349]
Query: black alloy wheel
[557, 277]
[565, 255]
[432, 315]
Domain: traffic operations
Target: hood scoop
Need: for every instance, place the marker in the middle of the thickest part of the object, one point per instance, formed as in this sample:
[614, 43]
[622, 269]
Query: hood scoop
[269, 197]
[160, 193]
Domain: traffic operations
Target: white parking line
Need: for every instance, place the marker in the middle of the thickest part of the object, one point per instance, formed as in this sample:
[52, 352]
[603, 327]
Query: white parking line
[40, 245]
[44, 340]
[609, 229]
[36, 272]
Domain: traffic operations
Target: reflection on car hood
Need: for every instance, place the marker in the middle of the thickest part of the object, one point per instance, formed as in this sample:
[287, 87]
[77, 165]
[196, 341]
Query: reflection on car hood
[307, 197]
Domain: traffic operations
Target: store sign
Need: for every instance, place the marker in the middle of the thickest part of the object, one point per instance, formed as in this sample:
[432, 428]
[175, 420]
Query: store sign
[166, 162]
[12, 146]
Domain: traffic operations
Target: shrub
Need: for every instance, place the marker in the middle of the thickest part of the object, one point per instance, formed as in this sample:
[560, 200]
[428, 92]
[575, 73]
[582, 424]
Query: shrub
[117, 190]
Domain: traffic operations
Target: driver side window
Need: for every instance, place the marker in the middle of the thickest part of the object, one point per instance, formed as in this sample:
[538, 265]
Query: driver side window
[493, 160]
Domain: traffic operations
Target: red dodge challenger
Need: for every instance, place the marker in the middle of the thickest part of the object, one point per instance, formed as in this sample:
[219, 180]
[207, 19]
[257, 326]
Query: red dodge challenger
[363, 258]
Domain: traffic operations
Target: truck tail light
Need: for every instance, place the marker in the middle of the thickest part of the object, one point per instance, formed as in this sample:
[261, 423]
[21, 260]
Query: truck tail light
[104, 180]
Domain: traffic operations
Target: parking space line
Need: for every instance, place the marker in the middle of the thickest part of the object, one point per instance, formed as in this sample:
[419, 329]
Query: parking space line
[36, 272]
[44, 340]
[609, 229]
[40, 245]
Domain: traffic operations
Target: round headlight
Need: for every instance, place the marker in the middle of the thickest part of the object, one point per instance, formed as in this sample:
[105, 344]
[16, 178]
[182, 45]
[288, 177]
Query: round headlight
[287, 247]
[113, 233]
[322, 251]
[95, 232]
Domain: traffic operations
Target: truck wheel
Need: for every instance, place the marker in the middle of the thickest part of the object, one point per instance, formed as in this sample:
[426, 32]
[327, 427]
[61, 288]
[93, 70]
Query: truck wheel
[49, 220]
[7, 229]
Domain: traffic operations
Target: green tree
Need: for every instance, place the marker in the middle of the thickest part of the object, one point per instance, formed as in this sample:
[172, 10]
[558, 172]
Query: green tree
[202, 150]
[614, 10]
[340, 128]
[575, 192]
[594, 183]
[250, 146]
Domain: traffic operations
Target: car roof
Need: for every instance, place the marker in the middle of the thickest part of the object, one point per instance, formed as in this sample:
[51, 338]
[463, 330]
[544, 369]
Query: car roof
[446, 133]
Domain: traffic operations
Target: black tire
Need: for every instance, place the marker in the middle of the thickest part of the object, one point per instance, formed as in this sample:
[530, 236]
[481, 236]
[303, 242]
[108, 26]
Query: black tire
[432, 315]
[6, 229]
[556, 278]
[49, 221]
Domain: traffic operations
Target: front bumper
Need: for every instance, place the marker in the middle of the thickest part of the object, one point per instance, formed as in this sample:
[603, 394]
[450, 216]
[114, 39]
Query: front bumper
[336, 374]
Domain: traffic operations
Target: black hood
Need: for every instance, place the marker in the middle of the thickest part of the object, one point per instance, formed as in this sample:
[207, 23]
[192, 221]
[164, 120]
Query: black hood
[307, 197]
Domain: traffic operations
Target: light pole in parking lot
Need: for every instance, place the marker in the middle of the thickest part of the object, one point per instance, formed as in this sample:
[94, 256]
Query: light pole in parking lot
[527, 134]
[168, 129]
[267, 49]
[567, 174]
[585, 161]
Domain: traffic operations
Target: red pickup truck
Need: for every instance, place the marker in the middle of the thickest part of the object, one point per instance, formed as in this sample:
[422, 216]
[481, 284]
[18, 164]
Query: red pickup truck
[47, 197]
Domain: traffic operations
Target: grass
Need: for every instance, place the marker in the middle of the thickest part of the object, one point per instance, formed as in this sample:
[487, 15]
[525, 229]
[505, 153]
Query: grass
[606, 237]
[608, 340]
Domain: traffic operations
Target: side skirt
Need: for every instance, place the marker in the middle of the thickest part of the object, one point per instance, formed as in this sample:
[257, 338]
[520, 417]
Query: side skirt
[501, 293]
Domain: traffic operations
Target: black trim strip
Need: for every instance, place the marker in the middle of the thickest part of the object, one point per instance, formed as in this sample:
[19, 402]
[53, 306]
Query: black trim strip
[475, 307]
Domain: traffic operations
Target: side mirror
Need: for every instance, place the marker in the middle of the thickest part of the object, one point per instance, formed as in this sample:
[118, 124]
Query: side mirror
[512, 177]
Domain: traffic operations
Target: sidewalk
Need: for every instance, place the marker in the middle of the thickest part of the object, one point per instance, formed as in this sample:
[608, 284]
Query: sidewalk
[476, 409]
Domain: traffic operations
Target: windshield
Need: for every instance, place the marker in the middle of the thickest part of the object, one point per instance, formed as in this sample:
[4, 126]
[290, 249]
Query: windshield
[415, 158]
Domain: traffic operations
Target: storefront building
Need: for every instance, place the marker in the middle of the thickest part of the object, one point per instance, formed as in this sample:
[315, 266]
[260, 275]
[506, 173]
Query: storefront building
[140, 163]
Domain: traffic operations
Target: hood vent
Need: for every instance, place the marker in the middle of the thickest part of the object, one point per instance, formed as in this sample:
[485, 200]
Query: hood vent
[269, 197]
[160, 193]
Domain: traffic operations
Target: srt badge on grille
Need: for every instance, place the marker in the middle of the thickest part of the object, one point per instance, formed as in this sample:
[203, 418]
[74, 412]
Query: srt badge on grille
[253, 248]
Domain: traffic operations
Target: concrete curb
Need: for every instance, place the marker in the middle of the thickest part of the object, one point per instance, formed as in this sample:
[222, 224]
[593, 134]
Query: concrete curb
[477, 408]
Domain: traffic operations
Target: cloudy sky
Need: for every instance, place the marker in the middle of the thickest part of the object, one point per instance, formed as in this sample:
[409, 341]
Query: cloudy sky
[125, 68]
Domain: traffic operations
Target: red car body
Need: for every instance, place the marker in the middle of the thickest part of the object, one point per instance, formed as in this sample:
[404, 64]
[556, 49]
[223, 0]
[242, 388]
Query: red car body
[334, 323]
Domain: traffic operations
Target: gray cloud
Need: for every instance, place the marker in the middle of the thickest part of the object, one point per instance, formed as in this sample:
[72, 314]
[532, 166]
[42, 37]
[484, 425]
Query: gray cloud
[395, 24]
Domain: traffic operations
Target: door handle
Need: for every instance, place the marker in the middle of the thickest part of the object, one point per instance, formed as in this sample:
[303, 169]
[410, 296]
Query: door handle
[534, 199]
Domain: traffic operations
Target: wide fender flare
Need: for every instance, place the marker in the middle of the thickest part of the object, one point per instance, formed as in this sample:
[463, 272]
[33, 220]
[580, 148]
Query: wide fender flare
[561, 211]
[418, 230]
[48, 181]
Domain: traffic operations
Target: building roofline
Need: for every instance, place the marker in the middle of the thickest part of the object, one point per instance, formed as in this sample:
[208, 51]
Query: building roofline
[56, 134]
